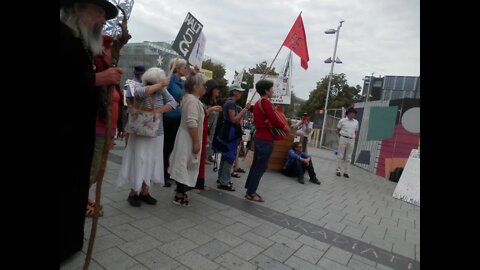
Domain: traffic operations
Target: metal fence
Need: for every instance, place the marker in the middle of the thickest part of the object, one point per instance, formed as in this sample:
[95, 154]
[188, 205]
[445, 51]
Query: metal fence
[330, 137]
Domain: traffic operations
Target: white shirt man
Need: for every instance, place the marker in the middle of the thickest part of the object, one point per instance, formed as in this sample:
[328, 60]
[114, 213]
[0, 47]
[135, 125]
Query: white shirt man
[347, 128]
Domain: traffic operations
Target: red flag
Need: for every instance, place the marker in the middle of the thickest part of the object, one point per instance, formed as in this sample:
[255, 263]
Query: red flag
[296, 40]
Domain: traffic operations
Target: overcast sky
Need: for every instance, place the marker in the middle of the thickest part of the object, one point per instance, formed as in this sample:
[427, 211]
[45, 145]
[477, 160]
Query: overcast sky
[380, 36]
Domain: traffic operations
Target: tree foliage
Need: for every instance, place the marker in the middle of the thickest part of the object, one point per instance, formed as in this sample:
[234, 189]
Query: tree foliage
[341, 94]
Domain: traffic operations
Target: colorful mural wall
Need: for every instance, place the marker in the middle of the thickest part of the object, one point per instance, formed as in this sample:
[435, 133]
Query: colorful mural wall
[389, 130]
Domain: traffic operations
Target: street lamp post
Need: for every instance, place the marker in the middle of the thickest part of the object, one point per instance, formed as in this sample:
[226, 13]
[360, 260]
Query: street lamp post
[337, 32]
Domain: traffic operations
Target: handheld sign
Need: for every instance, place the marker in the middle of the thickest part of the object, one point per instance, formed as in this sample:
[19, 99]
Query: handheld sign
[187, 36]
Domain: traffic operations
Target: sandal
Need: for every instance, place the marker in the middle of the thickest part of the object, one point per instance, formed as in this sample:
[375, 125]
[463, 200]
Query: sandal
[181, 201]
[92, 204]
[91, 210]
[254, 197]
[240, 170]
[234, 174]
[227, 188]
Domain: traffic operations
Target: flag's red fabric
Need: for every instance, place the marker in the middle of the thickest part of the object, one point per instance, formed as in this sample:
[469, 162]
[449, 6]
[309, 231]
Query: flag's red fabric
[296, 40]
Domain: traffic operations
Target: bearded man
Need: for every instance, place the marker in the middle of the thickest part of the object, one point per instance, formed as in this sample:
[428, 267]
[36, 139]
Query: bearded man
[81, 23]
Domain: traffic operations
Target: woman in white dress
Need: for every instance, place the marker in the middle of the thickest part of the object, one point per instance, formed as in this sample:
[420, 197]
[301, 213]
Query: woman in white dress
[142, 161]
[185, 157]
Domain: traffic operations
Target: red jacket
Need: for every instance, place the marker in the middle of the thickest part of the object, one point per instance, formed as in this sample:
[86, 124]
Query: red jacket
[262, 130]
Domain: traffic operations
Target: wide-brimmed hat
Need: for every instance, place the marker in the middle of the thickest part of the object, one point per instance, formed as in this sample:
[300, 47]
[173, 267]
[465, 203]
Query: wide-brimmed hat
[211, 84]
[138, 69]
[236, 87]
[110, 9]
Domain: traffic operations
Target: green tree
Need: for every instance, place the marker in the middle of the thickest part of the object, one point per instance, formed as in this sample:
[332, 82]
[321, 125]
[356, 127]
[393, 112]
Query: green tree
[289, 109]
[341, 94]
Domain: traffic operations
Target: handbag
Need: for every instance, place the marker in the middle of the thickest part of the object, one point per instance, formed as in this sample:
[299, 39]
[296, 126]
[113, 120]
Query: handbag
[143, 122]
[278, 134]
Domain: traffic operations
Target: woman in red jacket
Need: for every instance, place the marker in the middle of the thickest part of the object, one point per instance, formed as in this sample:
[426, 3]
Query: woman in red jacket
[263, 138]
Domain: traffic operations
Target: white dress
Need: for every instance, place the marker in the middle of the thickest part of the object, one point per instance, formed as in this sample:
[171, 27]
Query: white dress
[184, 165]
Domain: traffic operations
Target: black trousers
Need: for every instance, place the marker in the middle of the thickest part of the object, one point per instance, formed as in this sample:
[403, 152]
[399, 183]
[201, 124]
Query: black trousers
[182, 188]
[170, 128]
[297, 168]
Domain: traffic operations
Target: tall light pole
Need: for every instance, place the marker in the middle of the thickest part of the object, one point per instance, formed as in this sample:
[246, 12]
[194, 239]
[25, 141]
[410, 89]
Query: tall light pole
[337, 32]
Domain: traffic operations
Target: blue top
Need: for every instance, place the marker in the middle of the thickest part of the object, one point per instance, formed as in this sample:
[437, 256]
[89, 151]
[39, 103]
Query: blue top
[175, 88]
[229, 105]
[292, 156]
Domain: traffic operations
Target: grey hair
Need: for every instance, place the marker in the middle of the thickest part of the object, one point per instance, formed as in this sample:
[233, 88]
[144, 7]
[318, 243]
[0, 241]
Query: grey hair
[193, 80]
[153, 75]
[91, 38]
[70, 19]
[180, 62]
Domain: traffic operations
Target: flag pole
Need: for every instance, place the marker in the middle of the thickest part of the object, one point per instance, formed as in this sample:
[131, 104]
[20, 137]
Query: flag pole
[265, 74]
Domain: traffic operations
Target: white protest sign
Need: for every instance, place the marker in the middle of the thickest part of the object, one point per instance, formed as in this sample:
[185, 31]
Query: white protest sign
[252, 92]
[408, 187]
[281, 93]
[196, 57]
[187, 36]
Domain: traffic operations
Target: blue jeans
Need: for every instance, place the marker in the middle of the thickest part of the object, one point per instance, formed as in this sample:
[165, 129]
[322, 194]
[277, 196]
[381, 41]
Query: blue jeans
[298, 168]
[263, 151]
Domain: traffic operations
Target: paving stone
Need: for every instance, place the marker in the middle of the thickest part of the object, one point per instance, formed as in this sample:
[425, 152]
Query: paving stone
[246, 251]
[339, 255]
[196, 261]
[268, 263]
[279, 252]
[221, 219]
[313, 243]
[140, 245]
[196, 236]
[106, 242]
[404, 248]
[237, 228]
[289, 233]
[154, 259]
[358, 265]
[298, 263]
[285, 241]
[266, 230]
[309, 254]
[162, 234]
[114, 258]
[328, 264]
[213, 249]
[257, 240]
[228, 238]
[233, 262]
[147, 223]
[179, 225]
[178, 247]
[127, 232]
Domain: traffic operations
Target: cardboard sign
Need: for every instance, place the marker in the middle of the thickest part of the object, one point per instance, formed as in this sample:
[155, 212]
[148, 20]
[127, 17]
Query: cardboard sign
[187, 36]
[408, 187]
[281, 91]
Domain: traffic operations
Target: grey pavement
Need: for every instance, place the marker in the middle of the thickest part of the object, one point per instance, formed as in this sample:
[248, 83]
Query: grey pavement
[352, 223]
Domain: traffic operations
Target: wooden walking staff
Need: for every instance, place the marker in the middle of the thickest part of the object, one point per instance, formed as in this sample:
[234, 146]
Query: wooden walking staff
[117, 45]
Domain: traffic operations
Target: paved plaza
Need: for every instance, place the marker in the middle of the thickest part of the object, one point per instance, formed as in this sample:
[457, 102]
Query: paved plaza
[345, 224]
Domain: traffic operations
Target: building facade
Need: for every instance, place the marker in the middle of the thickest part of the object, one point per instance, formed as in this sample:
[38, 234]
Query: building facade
[391, 87]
